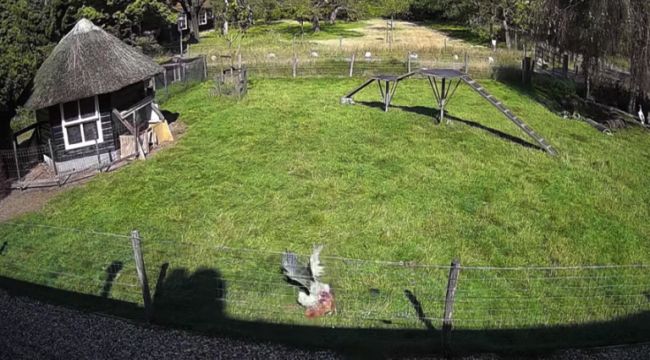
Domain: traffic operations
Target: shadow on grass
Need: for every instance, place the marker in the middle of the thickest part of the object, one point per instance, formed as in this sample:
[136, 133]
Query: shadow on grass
[432, 113]
[327, 31]
[460, 32]
[111, 273]
[191, 301]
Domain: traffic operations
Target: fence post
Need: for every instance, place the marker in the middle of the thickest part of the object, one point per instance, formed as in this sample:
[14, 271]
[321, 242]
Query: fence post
[165, 80]
[294, 66]
[99, 158]
[466, 63]
[17, 162]
[352, 64]
[239, 62]
[447, 322]
[142, 273]
[49, 145]
[205, 67]
[408, 61]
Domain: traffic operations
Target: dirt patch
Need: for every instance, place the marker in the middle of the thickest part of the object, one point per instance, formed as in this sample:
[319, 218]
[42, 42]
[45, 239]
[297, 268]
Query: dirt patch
[22, 202]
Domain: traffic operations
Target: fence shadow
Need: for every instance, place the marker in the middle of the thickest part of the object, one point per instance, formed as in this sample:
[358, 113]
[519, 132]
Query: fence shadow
[111, 273]
[431, 112]
[190, 301]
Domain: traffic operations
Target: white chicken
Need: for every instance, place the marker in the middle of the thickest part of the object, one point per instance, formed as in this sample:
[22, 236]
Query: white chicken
[314, 295]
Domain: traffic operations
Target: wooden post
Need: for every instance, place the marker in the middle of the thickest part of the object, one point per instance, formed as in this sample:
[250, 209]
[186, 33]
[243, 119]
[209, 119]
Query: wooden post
[352, 64]
[447, 323]
[136, 138]
[565, 65]
[294, 66]
[205, 67]
[466, 62]
[239, 62]
[165, 80]
[142, 272]
[527, 71]
[445, 44]
[99, 157]
[408, 61]
[17, 162]
[49, 144]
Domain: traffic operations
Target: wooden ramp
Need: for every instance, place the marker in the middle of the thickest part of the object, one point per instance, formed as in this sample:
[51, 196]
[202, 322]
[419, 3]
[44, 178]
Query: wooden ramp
[512, 117]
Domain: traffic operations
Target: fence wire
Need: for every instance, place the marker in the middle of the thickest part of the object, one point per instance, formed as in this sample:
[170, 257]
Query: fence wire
[410, 294]
[71, 259]
[248, 283]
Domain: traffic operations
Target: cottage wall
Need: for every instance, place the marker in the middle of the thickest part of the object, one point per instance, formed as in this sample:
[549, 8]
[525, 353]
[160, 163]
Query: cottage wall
[51, 128]
[56, 133]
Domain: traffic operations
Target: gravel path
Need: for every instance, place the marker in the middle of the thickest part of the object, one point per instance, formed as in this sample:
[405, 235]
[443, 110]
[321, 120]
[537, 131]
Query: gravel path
[33, 330]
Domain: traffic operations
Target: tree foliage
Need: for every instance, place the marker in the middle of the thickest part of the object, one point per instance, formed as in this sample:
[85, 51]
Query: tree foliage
[23, 45]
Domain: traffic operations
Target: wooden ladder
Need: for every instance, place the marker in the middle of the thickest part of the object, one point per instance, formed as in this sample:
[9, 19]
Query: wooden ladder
[512, 117]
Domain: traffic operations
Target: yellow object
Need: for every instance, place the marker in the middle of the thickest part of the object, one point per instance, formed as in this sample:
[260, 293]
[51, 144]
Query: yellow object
[162, 131]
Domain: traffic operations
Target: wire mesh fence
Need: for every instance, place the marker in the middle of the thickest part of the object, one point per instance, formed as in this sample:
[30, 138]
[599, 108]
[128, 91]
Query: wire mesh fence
[20, 160]
[195, 281]
[179, 75]
[34, 164]
[69, 259]
[361, 64]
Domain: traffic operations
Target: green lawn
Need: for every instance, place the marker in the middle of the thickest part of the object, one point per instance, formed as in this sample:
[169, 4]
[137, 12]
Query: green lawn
[288, 167]
[282, 33]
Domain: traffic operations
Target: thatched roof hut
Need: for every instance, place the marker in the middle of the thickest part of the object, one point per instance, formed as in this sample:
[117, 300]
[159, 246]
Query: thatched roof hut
[88, 61]
[88, 78]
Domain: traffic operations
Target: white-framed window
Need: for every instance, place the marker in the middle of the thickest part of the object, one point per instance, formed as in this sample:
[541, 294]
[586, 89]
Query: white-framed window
[182, 21]
[203, 17]
[81, 123]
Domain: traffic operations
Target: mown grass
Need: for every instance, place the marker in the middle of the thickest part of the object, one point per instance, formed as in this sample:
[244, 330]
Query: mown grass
[288, 167]
[285, 32]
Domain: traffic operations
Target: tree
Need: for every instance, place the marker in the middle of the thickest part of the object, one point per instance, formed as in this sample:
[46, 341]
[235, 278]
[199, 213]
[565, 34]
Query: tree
[125, 19]
[638, 50]
[23, 43]
[300, 10]
[591, 28]
[192, 9]
[236, 12]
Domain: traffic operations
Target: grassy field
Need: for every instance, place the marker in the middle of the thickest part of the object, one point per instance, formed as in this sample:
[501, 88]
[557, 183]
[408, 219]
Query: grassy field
[288, 167]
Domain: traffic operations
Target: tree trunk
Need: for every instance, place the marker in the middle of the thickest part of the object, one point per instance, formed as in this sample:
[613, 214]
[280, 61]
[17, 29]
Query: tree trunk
[224, 28]
[334, 14]
[315, 23]
[302, 27]
[586, 64]
[631, 106]
[194, 23]
[506, 29]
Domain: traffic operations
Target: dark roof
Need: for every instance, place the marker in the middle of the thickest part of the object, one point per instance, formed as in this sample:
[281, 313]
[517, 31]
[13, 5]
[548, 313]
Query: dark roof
[88, 61]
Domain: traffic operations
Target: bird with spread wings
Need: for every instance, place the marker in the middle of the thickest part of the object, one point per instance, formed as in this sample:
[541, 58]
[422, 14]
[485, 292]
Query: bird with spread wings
[314, 295]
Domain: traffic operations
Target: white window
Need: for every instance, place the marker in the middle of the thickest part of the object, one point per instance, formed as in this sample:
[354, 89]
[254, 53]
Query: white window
[203, 17]
[182, 21]
[81, 123]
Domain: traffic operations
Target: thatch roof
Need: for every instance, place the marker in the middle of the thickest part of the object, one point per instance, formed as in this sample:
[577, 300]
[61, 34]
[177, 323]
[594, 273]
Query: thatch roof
[88, 61]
